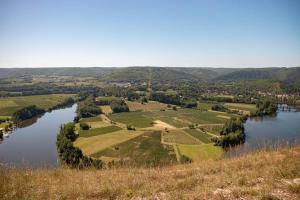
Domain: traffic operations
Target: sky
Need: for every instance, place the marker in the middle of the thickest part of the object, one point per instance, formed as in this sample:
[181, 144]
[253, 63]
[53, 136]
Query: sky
[185, 33]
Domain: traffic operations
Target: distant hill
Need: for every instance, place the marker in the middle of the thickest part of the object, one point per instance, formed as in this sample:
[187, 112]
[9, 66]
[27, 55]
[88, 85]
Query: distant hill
[288, 76]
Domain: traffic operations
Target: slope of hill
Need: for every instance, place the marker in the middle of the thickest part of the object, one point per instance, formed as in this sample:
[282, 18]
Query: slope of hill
[262, 175]
[288, 75]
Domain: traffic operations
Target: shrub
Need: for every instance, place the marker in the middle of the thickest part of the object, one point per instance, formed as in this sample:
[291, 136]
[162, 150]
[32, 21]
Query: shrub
[88, 108]
[119, 106]
[130, 127]
[84, 126]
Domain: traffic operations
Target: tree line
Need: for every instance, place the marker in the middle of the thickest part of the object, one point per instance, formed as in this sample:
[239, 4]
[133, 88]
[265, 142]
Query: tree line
[70, 155]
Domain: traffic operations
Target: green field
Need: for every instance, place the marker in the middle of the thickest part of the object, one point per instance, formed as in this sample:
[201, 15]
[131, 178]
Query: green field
[214, 129]
[241, 106]
[200, 152]
[205, 105]
[137, 119]
[179, 137]
[98, 131]
[91, 119]
[179, 119]
[145, 149]
[11, 104]
[203, 137]
[184, 117]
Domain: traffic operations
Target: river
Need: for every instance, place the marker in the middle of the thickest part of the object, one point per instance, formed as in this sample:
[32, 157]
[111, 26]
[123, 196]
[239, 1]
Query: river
[269, 132]
[35, 145]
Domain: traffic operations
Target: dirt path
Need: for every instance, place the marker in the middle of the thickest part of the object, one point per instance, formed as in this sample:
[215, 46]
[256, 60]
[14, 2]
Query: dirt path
[162, 125]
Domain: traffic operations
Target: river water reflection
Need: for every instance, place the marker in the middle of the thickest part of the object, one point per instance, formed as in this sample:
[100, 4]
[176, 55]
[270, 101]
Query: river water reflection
[35, 145]
[282, 129]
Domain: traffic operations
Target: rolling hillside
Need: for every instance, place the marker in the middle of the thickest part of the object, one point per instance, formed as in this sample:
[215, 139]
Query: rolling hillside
[164, 74]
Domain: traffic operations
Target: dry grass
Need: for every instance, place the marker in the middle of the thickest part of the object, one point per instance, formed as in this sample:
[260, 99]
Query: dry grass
[106, 109]
[264, 175]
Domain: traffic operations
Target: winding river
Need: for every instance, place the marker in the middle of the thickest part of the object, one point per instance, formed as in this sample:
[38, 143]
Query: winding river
[35, 145]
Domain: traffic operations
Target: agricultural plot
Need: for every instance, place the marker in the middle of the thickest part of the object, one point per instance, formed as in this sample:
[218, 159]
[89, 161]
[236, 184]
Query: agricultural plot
[214, 129]
[98, 131]
[136, 119]
[205, 105]
[92, 119]
[184, 117]
[241, 106]
[150, 106]
[179, 136]
[90, 145]
[200, 135]
[201, 152]
[11, 104]
[145, 149]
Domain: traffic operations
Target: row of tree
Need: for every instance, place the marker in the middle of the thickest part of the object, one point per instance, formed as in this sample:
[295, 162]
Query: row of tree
[70, 155]
[27, 113]
[232, 133]
[88, 108]
[265, 107]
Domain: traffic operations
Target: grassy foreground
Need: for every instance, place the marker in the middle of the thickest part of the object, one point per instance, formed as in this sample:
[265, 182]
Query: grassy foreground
[262, 175]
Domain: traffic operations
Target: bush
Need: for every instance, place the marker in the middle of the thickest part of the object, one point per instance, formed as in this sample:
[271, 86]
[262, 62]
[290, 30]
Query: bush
[119, 106]
[84, 126]
[88, 108]
[220, 108]
[130, 127]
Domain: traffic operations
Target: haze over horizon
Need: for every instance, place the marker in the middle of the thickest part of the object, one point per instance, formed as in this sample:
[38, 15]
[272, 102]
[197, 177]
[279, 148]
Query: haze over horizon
[232, 33]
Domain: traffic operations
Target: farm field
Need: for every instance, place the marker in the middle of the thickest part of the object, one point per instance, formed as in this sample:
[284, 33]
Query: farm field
[179, 136]
[90, 145]
[137, 119]
[180, 118]
[241, 106]
[92, 119]
[201, 152]
[98, 131]
[200, 135]
[184, 117]
[145, 149]
[9, 105]
[150, 106]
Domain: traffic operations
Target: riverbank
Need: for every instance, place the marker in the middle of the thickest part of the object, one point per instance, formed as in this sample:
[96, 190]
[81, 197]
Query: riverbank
[262, 175]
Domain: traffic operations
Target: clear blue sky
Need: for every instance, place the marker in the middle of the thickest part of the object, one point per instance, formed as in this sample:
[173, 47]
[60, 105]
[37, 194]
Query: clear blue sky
[202, 33]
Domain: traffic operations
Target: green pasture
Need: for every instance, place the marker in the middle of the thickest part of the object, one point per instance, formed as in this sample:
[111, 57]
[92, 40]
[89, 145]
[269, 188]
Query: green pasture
[98, 131]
